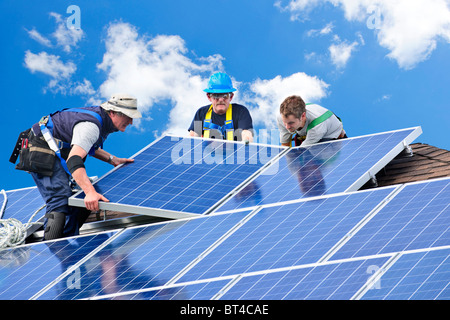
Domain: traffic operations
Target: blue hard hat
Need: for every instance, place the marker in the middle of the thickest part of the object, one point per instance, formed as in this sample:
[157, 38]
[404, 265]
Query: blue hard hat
[219, 83]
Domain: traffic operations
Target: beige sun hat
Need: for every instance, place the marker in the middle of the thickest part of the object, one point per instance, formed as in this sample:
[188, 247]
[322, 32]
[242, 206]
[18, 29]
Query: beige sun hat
[122, 102]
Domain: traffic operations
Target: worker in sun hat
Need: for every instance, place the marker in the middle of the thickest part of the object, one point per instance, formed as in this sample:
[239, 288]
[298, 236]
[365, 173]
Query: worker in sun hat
[221, 119]
[55, 149]
[304, 124]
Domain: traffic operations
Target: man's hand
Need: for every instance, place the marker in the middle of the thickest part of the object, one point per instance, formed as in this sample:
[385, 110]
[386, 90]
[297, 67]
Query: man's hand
[247, 136]
[117, 161]
[91, 200]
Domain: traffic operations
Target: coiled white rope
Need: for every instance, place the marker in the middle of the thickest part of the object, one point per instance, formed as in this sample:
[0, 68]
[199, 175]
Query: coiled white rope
[13, 232]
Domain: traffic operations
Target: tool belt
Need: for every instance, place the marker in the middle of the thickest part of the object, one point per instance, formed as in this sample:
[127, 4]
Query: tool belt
[34, 154]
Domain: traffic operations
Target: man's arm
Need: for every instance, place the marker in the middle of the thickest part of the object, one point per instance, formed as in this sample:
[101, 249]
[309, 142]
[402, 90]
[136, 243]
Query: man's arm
[92, 197]
[106, 156]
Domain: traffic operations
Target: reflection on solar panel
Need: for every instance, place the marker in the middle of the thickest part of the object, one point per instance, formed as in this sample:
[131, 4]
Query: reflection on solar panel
[147, 257]
[326, 168]
[174, 176]
[288, 235]
[383, 243]
[27, 270]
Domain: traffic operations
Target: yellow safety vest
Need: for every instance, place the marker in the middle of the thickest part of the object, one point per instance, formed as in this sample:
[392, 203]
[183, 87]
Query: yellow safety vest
[208, 125]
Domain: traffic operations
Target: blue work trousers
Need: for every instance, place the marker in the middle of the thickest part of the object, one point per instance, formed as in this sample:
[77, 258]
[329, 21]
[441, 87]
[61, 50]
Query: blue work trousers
[55, 191]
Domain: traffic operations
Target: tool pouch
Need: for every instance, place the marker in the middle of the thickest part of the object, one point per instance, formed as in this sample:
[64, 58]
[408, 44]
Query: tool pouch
[37, 157]
[15, 154]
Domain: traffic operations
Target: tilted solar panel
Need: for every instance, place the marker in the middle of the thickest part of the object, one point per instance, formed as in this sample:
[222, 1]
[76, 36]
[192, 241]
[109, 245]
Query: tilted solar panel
[26, 270]
[23, 203]
[287, 235]
[338, 281]
[177, 177]
[325, 168]
[27, 206]
[417, 217]
[147, 256]
[383, 243]
[415, 276]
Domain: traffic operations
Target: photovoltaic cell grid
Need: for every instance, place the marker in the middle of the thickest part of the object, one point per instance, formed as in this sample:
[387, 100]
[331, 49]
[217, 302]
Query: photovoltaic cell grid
[339, 281]
[146, 257]
[321, 169]
[196, 291]
[155, 262]
[418, 217]
[415, 276]
[26, 270]
[186, 175]
[143, 261]
[22, 204]
[287, 235]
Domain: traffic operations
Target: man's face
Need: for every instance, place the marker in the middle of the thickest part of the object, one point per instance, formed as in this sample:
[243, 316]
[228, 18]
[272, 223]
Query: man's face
[121, 121]
[220, 101]
[292, 123]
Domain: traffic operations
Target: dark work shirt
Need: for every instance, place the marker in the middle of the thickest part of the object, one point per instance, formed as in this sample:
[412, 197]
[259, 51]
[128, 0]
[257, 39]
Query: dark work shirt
[240, 116]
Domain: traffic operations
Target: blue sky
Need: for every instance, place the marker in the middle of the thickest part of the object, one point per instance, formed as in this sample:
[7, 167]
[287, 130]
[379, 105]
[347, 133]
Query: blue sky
[380, 65]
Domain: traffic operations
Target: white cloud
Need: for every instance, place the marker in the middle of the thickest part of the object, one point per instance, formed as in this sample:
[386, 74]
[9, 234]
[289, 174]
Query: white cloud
[35, 35]
[298, 8]
[82, 88]
[60, 73]
[320, 32]
[158, 72]
[341, 52]
[164, 79]
[65, 37]
[265, 96]
[410, 30]
[49, 64]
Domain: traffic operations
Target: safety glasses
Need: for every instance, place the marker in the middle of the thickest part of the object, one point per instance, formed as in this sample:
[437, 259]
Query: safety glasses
[217, 96]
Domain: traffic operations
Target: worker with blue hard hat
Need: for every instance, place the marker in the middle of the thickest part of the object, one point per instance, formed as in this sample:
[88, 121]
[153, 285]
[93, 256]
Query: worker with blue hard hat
[222, 119]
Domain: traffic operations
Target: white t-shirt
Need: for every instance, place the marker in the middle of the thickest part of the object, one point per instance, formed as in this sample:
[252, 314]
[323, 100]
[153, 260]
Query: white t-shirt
[85, 134]
[331, 128]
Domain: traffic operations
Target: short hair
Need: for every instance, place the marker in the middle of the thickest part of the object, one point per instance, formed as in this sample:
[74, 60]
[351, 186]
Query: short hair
[293, 105]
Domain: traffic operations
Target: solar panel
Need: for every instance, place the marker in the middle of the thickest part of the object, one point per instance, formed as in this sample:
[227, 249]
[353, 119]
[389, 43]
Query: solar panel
[383, 243]
[177, 177]
[325, 168]
[23, 203]
[417, 217]
[338, 281]
[195, 291]
[287, 235]
[415, 276]
[146, 257]
[28, 269]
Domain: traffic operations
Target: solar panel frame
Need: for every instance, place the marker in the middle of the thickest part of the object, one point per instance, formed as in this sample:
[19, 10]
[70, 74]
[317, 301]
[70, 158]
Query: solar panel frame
[76, 199]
